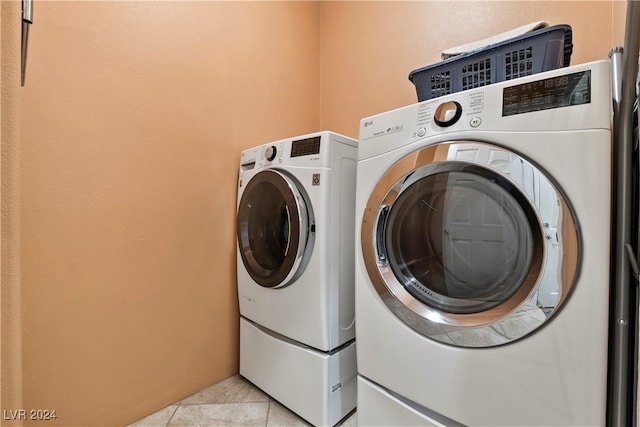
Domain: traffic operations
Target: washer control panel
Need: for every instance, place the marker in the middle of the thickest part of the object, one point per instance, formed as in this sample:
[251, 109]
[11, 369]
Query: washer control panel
[272, 153]
[306, 146]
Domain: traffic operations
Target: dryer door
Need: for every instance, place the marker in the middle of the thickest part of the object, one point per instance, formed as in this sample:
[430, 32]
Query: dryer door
[274, 229]
[456, 243]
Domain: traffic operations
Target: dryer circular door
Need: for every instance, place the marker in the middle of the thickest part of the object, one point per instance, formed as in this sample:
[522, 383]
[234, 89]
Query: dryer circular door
[458, 239]
[274, 229]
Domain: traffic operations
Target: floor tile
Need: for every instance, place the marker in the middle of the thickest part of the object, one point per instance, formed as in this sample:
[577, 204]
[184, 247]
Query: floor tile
[281, 416]
[157, 419]
[234, 389]
[221, 414]
[231, 402]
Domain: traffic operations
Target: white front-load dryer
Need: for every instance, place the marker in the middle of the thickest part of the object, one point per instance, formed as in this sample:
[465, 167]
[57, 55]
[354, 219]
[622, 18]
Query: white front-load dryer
[483, 255]
[295, 266]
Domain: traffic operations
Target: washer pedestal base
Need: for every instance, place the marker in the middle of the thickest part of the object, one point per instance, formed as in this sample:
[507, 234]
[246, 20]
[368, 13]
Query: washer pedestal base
[319, 387]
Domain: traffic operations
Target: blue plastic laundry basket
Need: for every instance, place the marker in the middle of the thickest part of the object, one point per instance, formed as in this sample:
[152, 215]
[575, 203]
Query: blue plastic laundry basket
[541, 50]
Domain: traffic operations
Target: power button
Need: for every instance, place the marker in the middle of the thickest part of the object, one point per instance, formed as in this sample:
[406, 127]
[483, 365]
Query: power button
[421, 132]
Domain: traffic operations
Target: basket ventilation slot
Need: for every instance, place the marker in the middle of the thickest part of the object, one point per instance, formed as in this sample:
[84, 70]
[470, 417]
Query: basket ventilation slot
[440, 84]
[518, 63]
[476, 74]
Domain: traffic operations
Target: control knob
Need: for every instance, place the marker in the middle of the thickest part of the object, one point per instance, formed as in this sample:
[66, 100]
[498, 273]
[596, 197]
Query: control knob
[447, 113]
[270, 152]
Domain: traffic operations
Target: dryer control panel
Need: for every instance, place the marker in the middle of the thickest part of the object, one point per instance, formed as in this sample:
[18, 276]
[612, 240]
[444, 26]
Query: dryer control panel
[553, 92]
[565, 99]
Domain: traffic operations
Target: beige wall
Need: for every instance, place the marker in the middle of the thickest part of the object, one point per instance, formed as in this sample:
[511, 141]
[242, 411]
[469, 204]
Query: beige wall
[133, 118]
[10, 283]
[369, 48]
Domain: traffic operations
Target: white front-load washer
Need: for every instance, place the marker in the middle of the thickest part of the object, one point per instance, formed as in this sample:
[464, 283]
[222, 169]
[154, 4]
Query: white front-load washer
[483, 255]
[295, 266]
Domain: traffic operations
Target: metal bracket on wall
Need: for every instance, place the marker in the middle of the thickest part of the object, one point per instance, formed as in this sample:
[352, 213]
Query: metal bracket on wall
[27, 20]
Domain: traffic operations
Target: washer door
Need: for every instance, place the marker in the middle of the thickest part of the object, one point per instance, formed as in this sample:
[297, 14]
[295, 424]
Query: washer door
[274, 229]
[456, 241]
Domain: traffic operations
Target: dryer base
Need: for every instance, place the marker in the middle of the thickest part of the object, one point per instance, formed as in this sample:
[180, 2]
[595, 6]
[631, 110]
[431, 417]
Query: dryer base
[379, 407]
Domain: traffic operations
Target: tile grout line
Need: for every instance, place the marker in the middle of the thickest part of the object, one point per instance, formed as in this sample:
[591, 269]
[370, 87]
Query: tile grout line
[173, 413]
[266, 420]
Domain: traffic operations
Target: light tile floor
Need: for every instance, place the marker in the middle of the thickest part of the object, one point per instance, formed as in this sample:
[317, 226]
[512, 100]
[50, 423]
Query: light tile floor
[231, 402]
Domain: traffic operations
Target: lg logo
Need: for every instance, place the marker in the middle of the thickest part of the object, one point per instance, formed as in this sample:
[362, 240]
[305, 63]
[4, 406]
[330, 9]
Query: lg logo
[368, 123]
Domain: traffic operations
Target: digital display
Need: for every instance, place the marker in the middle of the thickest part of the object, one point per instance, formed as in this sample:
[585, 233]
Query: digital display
[305, 147]
[554, 92]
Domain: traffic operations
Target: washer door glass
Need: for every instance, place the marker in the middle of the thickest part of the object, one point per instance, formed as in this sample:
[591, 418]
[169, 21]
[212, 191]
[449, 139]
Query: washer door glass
[273, 229]
[458, 239]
